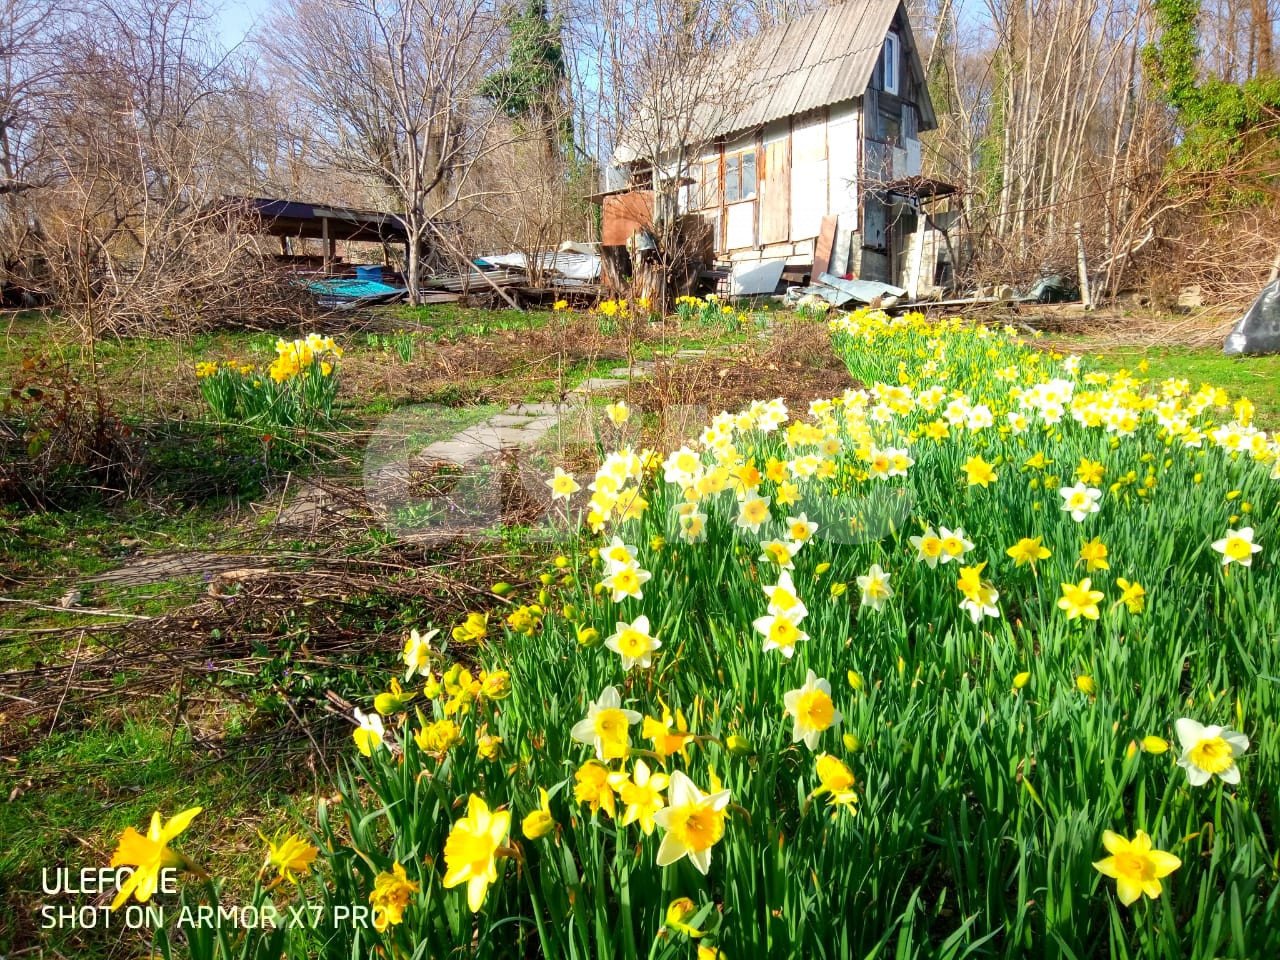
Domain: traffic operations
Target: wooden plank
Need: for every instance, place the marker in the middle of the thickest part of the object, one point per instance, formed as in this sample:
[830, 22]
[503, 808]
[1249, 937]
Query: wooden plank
[775, 190]
[826, 241]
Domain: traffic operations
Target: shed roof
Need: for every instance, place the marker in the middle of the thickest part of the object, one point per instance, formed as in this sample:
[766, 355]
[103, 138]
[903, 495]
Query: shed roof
[825, 57]
[296, 218]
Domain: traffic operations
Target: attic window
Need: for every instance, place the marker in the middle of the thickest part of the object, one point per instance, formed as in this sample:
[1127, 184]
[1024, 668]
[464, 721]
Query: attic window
[889, 63]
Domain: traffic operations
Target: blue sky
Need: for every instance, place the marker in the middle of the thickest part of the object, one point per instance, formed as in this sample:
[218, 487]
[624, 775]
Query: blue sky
[238, 17]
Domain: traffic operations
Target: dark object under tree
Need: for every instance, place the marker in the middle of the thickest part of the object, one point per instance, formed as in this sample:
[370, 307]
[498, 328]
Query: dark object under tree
[1258, 331]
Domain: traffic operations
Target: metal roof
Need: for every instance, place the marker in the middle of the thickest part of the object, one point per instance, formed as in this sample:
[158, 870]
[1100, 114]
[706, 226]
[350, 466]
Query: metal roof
[826, 57]
[295, 218]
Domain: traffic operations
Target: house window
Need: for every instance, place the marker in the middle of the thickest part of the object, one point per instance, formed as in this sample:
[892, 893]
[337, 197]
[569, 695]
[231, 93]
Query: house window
[708, 188]
[739, 176]
[889, 63]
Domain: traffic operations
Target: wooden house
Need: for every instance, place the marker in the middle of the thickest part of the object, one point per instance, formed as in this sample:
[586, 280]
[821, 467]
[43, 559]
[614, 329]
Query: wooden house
[812, 157]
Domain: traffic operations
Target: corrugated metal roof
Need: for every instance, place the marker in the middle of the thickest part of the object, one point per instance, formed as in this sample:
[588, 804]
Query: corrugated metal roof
[823, 58]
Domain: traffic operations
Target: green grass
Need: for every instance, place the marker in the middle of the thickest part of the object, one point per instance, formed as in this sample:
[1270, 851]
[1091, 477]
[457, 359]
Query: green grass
[77, 790]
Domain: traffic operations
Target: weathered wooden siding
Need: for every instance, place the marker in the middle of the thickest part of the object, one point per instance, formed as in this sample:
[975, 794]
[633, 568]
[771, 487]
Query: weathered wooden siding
[808, 175]
[775, 184]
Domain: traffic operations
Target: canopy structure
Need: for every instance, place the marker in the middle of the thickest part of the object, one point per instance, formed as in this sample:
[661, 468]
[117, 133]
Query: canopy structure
[310, 221]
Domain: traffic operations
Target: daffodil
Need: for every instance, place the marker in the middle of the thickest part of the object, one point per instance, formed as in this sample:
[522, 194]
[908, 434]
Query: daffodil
[1094, 555]
[1135, 865]
[471, 849]
[1209, 752]
[437, 738]
[812, 710]
[626, 582]
[978, 472]
[1080, 600]
[641, 795]
[149, 854]
[835, 779]
[928, 547]
[875, 588]
[1132, 595]
[668, 734]
[679, 912]
[1028, 550]
[291, 857]
[417, 653]
[783, 599]
[781, 632]
[693, 822]
[369, 732]
[390, 896]
[1237, 546]
[606, 725]
[801, 528]
[1080, 501]
[563, 485]
[592, 787]
[393, 700]
[539, 822]
[954, 544]
[618, 413]
[633, 643]
[753, 513]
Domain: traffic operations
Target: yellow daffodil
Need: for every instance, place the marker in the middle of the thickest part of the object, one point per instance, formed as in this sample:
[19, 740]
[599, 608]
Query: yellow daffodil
[641, 795]
[835, 779]
[1029, 550]
[1132, 595]
[390, 896]
[437, 738]
[1135, 865]
[606, 725]
[471, 850]
[812, 710]
[693, 822]
[538, 823]
[679, 913]
[148, 854]
[978, 472]
[1080, 600]
[290, 857]
[592, 787]
[1094, 555]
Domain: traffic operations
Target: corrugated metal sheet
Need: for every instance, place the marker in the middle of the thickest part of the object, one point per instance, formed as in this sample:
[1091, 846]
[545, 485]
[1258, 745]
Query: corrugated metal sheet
[822, 58]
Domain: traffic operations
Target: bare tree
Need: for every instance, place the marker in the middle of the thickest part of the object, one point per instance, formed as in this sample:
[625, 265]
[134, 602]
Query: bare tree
[391, 88]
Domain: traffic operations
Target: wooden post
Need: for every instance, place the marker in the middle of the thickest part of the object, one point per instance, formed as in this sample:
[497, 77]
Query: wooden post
[1082, 268]
[917, 261]
[328, 248]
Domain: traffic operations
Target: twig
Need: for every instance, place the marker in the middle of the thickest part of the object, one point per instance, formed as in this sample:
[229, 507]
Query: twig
[75, 659]
[84, 610]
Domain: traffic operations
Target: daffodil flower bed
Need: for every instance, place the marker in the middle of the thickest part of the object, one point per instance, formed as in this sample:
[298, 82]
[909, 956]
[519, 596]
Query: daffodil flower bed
[980, 659]
[297, 389]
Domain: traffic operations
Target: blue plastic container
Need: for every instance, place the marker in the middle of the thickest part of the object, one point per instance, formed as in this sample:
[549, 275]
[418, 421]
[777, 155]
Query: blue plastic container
[372, 274]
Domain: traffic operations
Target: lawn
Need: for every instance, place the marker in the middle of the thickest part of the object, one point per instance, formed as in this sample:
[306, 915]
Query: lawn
[911, 645]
